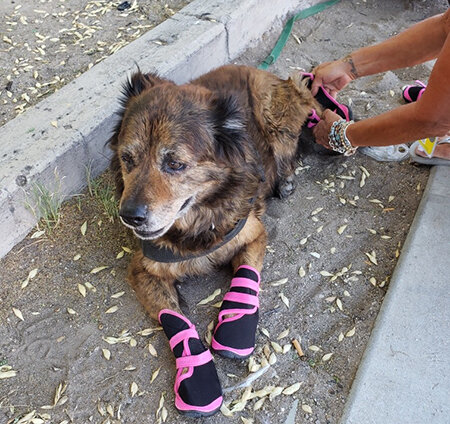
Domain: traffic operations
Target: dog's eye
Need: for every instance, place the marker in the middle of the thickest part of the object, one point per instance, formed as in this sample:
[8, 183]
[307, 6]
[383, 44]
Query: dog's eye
[127, 160]
[174, 165]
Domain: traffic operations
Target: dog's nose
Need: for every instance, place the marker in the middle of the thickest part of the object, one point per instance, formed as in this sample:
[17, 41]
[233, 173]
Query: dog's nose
[132, 214]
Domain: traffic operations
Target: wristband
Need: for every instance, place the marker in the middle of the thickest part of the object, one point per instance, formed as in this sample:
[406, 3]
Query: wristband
[337, 138]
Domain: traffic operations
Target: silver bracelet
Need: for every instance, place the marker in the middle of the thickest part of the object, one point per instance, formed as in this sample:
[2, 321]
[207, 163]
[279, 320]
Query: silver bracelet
[337, 138]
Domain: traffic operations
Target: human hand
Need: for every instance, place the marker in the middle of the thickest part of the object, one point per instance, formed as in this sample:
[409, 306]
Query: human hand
[334, 76]
[322, 129]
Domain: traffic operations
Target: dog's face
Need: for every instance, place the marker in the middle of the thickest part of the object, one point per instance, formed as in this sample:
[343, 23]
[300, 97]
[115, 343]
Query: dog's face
[174, 146]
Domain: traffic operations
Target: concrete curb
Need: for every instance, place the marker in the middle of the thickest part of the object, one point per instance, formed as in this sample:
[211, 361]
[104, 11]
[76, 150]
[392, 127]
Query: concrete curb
[405, 372]
[52, 143]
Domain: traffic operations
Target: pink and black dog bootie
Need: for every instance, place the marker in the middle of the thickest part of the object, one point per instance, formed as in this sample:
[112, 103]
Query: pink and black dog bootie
[234, 335]
[412, 93]
[327, 101]
[197, 387]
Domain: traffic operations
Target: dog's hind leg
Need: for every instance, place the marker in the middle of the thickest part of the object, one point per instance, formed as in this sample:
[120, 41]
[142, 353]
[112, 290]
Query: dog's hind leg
[153, 292]
[234, 335]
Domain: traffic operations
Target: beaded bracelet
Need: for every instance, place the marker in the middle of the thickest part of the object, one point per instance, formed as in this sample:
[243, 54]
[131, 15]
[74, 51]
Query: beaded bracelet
[337, 139]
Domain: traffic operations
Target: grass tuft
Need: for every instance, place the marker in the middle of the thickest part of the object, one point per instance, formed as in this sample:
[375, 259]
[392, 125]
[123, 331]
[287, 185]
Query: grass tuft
[47, 204]
[102, 188]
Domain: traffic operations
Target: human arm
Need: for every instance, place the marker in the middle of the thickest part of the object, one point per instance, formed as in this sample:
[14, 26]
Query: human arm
[429, 116]
[419, 43]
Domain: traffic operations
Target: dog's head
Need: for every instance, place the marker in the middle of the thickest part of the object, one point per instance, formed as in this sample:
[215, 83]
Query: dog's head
[173, 147]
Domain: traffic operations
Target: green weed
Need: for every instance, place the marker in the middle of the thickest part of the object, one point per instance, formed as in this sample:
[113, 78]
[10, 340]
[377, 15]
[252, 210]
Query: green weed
[102, 188]
[46, 204]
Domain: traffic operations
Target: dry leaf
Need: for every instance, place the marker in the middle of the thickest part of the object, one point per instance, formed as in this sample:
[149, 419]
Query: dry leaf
[283, 334]
[210, 298]
[276, 392]
[83, 228]
[112, 309]
[307, 408]
[286, 348]
[82, 289]
[18, 313]
[362, 182]
[292, 389]
[326, 273]
[110, 410]
[77, 257]
[279, 282]
[316, 211]
[154, 375]
[259, 404]
[303, 240]
[37, 234]
[117, 295]
[272, 358]
[225, 411]
[351, 332]
[7, 374]
[164, 414]
[339, 303]
[106, 354]
[133, 389]
[30, 276]
[342, 228]
[284, 299]
[276, 347]
[120, 254]
[327, 357]
[301, 272]
[152, 350]
[265, 332]
[98, 269]
[372, 257]
[315, 254]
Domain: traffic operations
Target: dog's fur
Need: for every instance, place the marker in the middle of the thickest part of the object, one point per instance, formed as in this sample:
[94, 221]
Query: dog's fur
[192, 160]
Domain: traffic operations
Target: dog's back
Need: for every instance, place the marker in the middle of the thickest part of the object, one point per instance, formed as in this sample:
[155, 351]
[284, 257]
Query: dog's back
[274, 109]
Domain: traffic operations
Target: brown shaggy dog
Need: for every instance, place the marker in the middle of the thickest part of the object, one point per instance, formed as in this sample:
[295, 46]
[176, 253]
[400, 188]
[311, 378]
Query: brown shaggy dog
[193, 160]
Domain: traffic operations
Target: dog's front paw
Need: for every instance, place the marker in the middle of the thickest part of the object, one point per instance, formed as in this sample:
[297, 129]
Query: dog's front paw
[286, 187]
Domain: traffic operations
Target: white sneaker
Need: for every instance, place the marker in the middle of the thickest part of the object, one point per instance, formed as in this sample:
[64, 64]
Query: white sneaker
[395, 153]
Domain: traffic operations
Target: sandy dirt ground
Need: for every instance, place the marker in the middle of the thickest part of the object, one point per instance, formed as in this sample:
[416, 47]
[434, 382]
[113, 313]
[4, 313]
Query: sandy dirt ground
[45, 44]
[78, 347]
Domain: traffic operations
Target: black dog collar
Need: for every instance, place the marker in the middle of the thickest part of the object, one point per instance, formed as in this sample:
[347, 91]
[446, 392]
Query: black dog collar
[166, 255]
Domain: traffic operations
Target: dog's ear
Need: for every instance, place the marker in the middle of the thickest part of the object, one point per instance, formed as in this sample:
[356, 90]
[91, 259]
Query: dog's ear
[137, 84]
[229, 128]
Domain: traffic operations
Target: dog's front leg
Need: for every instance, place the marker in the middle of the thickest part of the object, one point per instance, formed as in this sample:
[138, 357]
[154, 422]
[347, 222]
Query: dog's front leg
[234, 335]
[254, 245]
[197, 387]
[154, 292]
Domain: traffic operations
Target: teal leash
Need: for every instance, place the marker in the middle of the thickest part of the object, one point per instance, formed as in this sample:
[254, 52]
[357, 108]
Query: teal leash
[306, 13]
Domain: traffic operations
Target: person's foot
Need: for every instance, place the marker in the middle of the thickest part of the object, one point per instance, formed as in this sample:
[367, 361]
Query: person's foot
[441, 151]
